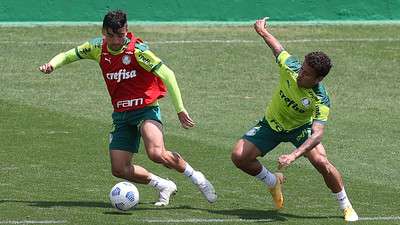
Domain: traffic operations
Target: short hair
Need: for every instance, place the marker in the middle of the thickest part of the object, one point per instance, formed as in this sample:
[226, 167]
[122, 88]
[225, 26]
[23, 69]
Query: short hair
[115, 20]
[320, 62]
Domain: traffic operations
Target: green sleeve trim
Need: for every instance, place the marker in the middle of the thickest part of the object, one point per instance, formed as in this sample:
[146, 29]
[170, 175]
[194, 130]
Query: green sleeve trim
[283, 54]
[289, 61]
[156, 67]
[77, 53]
[322, 94]
[142, 46]
[293, 64]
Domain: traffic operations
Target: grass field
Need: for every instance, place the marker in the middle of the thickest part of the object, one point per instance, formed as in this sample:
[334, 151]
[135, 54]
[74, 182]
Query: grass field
[54, 164]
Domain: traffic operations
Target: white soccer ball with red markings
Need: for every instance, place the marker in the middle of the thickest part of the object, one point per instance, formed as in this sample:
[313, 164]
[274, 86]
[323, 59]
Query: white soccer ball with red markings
[124, 196]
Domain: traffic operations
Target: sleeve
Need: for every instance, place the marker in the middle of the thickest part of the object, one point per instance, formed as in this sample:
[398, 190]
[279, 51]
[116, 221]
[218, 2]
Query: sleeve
[88, 50]
[321, 113]
[168, 77]
[287, 61]
[146, 59]
[323, 104]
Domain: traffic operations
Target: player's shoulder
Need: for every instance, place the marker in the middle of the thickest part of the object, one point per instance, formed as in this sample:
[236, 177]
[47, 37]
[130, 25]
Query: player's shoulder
[89, 49]
[142, 46]
[145, 57]
[286, 60]
[96, 42]
[322, 94]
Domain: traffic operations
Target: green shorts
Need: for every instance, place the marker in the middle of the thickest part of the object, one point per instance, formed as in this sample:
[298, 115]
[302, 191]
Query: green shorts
[126, 127]
[266, 139]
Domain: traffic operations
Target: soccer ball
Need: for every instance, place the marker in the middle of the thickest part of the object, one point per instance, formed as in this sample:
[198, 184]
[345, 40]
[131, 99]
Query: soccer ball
[124, 196]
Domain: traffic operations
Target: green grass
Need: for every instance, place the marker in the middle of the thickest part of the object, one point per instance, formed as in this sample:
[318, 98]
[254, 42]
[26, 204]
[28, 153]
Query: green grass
[54, 129]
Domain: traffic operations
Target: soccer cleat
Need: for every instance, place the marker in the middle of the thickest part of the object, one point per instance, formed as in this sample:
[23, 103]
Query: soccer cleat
[166, 193]
[349, 214]
[206, 188]
[276, 191]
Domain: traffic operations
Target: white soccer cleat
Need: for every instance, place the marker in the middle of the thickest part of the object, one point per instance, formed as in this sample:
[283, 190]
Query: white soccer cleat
[350, 214]
[166, 193]
[206, 188]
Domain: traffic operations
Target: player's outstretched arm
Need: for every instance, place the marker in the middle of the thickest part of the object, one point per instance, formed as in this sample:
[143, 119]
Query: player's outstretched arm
[67, 57]
[261, 28]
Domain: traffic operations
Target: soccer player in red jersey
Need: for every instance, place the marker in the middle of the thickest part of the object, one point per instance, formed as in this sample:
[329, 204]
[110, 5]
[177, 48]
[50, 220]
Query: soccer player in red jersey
[136, 78]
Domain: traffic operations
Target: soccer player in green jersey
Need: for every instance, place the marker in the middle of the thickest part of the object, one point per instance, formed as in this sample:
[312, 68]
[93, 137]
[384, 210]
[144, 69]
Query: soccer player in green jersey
[297, 113]
[135, 79]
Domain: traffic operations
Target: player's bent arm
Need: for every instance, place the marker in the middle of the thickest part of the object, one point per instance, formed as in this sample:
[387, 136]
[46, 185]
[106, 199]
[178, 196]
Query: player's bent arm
[312, 141]
[270, 40]
[273, 44]
[168, 77]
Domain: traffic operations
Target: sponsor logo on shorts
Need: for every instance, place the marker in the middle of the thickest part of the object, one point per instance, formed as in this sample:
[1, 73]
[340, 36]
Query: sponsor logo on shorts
[304, 134]
[110, 137]
[252, 131]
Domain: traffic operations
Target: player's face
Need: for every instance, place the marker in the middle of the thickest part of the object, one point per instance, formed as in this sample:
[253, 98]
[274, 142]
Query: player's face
[115, 40]
[308, 78]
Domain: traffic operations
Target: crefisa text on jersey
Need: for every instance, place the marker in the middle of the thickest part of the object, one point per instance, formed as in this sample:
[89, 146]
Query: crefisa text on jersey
[122, 74]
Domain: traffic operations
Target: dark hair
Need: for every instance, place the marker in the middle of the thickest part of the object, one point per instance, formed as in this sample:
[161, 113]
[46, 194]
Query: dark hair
[114, 20]
[320, 62]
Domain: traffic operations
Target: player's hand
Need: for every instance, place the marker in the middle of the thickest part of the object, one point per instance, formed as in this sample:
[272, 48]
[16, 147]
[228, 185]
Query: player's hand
[46, 68]
[185, 120]
[261, 26]
[285, 160]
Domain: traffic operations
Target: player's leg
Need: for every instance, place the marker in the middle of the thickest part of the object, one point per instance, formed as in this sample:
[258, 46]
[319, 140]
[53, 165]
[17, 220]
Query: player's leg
[331, 175]
[255, 143]
[121, 167]
[124, 142]
[333, 180]
[152, 135]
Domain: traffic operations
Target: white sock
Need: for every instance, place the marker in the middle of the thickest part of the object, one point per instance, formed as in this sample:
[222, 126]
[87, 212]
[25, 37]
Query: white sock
[267, 177]
[192, 174]
[156, 181]
[188, 170]
[342, 199]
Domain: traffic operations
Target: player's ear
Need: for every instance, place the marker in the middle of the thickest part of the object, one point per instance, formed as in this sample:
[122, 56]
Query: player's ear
[126, 27]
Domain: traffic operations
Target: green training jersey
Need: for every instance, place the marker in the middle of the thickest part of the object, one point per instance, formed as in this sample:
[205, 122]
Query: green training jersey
[292, 106]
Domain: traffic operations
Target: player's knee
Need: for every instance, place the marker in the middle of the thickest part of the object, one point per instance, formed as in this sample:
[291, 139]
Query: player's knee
[157, 155]
[237, 158]
[118, 172]
[323, 166]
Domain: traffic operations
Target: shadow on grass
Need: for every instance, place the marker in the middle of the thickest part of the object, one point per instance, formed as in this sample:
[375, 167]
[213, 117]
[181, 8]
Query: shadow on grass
[252, 214]
[91, 204]
[49, 204]
[245, 214]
